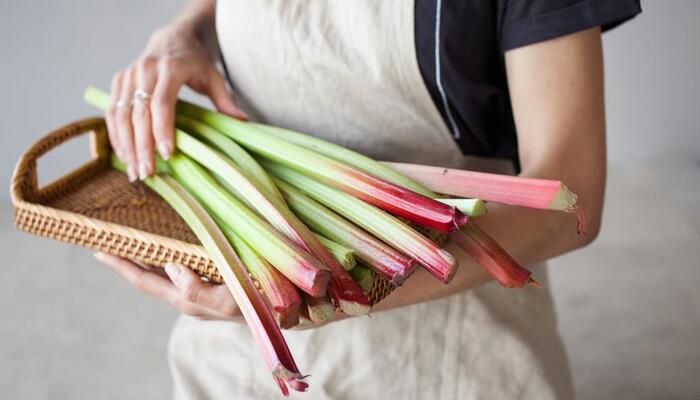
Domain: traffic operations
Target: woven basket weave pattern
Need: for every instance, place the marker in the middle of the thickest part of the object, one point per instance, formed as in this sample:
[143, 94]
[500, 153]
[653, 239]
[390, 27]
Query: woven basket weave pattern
[96, 207]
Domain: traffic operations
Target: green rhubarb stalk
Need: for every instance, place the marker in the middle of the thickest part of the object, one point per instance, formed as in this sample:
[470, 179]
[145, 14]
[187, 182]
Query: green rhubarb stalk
[379, 223]
[251, 303]
[280, 292]
[471, 207]
[363, 276]
[345, 155]
[384, 194]
[237, 182]
[382, 258]
[345, 256]
[320, 309]
[293, 262]
[343, 290]
[246, 163]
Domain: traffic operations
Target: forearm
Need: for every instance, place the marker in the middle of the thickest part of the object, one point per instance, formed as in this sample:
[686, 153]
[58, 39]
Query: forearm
[557, 95]
[530, 236]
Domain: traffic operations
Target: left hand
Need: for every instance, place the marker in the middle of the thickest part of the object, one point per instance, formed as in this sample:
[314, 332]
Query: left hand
[180, 287]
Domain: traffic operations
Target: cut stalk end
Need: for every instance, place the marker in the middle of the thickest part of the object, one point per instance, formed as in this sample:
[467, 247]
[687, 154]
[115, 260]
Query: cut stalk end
[564, 199]
[532, 281]
[354, 308]
[320, 309]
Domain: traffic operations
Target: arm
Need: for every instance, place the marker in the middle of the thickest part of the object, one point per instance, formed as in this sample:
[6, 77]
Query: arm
[557, 95]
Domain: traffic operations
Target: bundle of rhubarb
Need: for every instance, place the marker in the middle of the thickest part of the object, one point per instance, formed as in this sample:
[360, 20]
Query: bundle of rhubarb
[299, 227]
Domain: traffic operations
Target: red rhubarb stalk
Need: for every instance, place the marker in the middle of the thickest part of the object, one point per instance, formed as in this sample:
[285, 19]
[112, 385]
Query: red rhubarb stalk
[279, 291]
[251, 303]
[491, 256]
[437, 261]
[379, 256]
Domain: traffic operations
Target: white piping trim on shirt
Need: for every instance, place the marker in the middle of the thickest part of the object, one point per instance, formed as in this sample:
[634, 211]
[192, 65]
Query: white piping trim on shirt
[438, 78]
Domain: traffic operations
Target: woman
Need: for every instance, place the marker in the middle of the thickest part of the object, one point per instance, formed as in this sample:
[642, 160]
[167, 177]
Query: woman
[519, 84]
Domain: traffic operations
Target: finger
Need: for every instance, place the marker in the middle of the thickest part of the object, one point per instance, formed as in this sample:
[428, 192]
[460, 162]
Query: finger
[110, 114]
[194, 290]
[151, 268]
[124, 127]
[158, 286]
[143, 280]
[141, 116]
[221, 97]
[163, 107]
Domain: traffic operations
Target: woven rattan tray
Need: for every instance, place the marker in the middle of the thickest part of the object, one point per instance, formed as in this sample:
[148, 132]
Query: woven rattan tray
[95, 206]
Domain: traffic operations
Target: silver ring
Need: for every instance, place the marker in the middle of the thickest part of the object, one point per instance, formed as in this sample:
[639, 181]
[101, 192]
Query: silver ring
[121, 103]
[140, 96]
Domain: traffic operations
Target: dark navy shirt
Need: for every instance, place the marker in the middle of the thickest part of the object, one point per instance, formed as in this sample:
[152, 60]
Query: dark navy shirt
[460, 46]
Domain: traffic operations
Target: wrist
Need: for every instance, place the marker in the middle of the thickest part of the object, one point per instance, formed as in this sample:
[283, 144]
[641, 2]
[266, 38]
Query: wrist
[197, 18]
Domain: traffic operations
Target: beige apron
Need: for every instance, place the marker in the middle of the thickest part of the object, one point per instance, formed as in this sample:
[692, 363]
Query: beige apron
[347, 72]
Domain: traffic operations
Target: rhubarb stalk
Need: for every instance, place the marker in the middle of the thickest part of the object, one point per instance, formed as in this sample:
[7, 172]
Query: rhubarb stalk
[320, 309]
[543, 194]
[293, 262]
[363, 276]
[471, 207]
[382, 258]
[491, 256]
[379, 192]
[509, 272]
[253, 307]
[343, 290]
[342, 254]
[246, 163]
[281, 294]
[379, 223]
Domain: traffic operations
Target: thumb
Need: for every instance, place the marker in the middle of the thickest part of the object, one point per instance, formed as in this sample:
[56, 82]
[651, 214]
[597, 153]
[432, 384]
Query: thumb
[222, 98]
[186, 281]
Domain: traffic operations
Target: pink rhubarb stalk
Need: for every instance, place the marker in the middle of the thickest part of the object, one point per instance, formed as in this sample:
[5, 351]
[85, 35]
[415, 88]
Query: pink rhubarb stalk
[437, 261]
[377, 255]
[379, 192]
[491, 256]
[280, 292]
[251, 303]
[544, 194]
[344, 291]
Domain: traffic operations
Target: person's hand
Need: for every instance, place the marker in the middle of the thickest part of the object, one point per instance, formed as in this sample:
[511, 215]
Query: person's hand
[141, 115]
[180, 287]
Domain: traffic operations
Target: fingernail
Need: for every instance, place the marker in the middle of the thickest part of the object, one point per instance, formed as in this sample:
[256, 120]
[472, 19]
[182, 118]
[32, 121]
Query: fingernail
[173, 271]
[164, 150]
[131, 172]
[144, 171]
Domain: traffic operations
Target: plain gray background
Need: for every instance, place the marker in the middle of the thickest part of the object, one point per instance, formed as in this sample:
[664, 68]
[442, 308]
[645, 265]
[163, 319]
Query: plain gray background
[629, 306]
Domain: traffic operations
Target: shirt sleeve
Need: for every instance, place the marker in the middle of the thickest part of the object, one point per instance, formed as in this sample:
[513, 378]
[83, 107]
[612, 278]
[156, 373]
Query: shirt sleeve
[525, 22]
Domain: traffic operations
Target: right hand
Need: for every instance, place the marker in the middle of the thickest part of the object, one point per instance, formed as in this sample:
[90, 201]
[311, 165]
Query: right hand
[174, 56]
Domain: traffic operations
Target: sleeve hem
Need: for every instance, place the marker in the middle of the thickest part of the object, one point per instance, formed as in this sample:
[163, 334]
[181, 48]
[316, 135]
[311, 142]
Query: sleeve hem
[575, 18]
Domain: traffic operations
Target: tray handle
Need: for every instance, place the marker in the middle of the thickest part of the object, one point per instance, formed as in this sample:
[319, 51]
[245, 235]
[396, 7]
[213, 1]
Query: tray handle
[25, 184]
